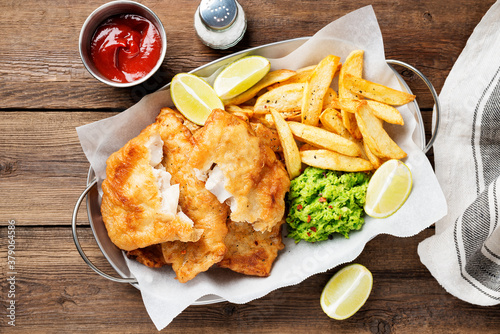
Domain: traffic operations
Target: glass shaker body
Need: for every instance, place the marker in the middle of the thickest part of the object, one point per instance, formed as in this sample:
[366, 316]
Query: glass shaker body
[220, 24]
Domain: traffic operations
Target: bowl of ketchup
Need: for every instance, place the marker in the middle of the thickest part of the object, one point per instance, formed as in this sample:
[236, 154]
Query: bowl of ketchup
[122, 43]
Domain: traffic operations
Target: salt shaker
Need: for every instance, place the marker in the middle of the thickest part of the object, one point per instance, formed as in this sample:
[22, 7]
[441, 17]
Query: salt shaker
[220, 24]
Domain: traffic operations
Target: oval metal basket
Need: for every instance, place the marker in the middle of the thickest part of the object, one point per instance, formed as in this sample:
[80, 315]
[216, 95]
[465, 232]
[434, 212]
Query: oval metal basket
[275, 50]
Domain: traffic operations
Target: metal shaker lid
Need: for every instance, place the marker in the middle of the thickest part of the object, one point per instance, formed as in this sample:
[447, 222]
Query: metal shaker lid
[218, 14]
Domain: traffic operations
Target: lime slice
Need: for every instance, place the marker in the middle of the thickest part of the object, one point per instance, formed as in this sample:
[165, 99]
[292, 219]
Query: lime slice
[194, 97]
[388, 189]
[346, 291]
[240, 75]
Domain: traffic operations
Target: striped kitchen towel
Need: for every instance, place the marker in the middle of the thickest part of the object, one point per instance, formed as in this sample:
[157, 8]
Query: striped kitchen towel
[464, 254]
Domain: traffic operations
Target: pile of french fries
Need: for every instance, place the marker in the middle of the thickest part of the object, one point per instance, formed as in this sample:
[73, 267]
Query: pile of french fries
[319, 127]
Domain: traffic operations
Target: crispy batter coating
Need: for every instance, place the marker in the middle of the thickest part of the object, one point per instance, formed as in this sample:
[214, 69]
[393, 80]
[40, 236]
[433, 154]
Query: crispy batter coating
[190, 258]
[132, 198]
[251, 252]
[151, 256]
[187, 123]
[132, 205]
[253, 176]
[268, 136]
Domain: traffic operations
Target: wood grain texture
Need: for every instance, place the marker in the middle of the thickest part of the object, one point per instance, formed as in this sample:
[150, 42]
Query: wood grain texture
[57, 292]
[46, 92]
[42, 166]
[43, 66]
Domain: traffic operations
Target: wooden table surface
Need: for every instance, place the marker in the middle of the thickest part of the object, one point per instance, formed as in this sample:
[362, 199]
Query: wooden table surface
[45, 92]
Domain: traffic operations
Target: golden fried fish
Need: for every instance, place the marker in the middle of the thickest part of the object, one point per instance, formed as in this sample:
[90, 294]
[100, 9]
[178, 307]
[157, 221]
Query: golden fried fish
[246, 173]
[187, 123]
[251, 252]
[191, 258]
[268, 136]
[139, 204]
[151, 256]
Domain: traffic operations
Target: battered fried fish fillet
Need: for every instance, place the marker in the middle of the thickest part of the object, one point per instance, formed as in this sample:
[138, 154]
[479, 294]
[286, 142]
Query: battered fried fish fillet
[268, 136]
[151, 256]
[247, 173]
[187, 123]
[139, 205]
[251, 252]
[191, 258]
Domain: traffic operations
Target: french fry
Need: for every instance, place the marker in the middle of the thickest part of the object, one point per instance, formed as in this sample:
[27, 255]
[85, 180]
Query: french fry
[293, 116]
[386, 112]
[238, 109]
[381, 110]
[349, 105]
[285, 98]
[301, 76]
[376, 91]
[307, 147]
[352, 65]
[233, 108]
[288, 116]
[324, 139]
[268, 120]
[334, 104]
[375, 161]
[269, 79]
[241, 116]
[246, 107]
[315, 89]
[330, 98]
[331, 119]
[265, 119]
[290, 149]
[377, 139]
[331, 160]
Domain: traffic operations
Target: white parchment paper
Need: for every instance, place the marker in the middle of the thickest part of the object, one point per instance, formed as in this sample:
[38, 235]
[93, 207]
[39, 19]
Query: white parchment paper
[164, 297]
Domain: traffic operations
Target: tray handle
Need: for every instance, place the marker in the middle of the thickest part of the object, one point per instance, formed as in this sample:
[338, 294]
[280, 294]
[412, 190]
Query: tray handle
[77, 243]
[437, 106]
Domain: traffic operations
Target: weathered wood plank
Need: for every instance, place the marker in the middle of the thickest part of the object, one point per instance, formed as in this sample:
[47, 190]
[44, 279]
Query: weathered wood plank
[43, 170]
[42, 69]
[42, 166]
[56, 291]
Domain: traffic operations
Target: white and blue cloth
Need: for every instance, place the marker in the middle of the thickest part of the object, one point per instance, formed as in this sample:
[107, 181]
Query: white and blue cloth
[464, 254]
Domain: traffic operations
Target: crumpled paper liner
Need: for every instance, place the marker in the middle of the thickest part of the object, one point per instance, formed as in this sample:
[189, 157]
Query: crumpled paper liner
[164, 297]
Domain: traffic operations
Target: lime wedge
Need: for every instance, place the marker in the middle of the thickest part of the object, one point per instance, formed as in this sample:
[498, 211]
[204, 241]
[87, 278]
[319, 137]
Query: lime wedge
[240, 75]
[346, 291]
[388, 189]
[194, 97]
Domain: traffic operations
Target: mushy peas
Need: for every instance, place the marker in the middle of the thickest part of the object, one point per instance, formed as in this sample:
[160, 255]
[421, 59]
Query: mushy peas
[323, 202]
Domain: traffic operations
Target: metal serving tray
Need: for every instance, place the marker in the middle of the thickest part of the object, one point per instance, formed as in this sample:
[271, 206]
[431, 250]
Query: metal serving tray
[274, 50]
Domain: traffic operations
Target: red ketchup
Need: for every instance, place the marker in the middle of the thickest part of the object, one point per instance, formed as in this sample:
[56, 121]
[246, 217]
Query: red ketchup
[126, 47]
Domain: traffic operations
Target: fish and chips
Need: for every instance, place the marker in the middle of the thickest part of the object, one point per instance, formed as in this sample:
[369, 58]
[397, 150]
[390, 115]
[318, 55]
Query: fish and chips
[194, 196]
